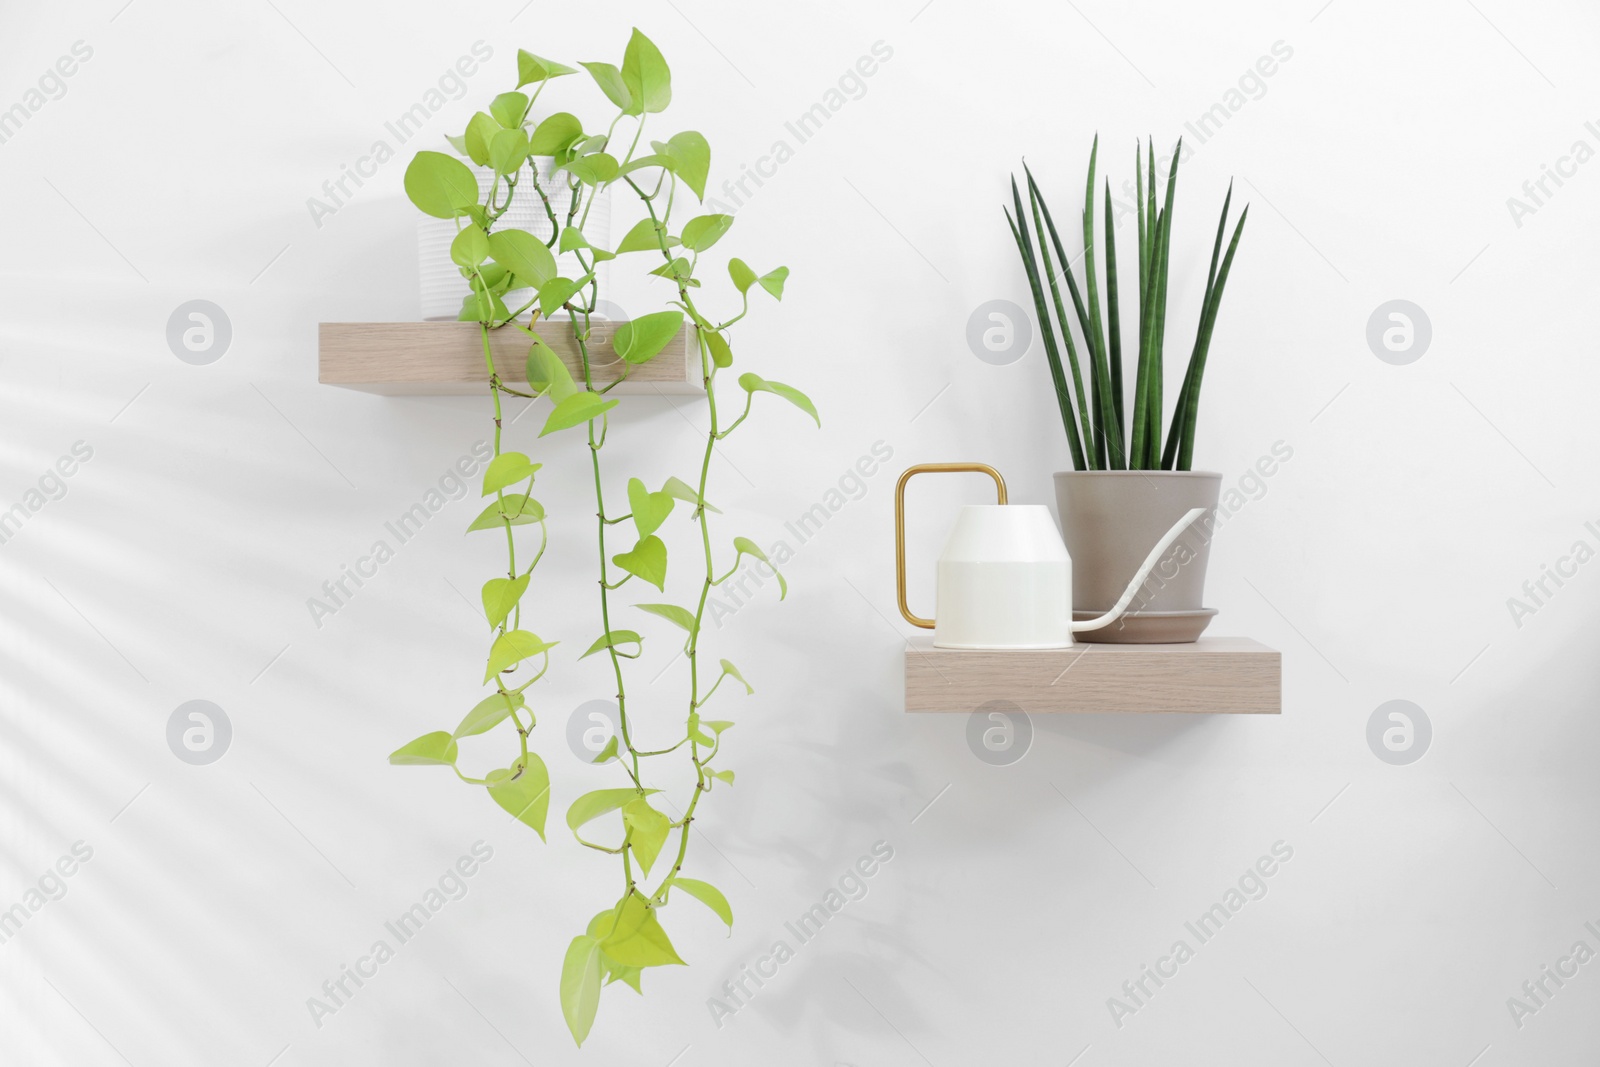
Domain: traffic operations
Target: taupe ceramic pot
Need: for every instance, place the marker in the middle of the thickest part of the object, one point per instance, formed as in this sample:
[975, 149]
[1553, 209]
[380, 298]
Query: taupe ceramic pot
[1109, 521]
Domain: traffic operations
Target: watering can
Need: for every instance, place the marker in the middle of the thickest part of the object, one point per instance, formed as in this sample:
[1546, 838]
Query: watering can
[1005, 578]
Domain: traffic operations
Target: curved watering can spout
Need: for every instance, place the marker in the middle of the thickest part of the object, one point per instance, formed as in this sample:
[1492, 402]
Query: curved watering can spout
[1142, 573]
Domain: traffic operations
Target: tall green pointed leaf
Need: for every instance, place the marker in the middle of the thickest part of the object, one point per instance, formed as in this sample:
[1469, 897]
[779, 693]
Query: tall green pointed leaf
[1197, 363]
[1170, 453]
[1114, 333]
[1152, 459]
[1043, 222]
[1024, 240]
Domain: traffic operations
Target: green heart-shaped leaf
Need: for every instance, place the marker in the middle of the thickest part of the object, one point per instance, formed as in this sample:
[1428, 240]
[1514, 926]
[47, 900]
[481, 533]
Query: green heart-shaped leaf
[645, 73]
[532, 68]
[752, 383]
[680, 617]
[489, 712]
[592, 805]
[650, 510]
[470, 247]
[580, 985]
[509, 109]
[555, 134]
[693, 157]
[743, 277]
[707, 894]
[647, 559]
[648, 829]
[703, 231]
[512, 648]
[609, 78]
[641, 340]
[721, 354]
[500, 595]
[729, 669]
[772, 281]
[524, 791]
[440, 185]
[481, 129]
[614, 638]
[682, 490]
[524, 255]
[637, 939]
[508, 468]
[547, 373]
[746, 547]
[508, 150]
[518, 509]
[435, 748]
[575, 410]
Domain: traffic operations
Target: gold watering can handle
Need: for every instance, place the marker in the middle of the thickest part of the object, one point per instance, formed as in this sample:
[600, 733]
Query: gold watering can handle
[900, 520]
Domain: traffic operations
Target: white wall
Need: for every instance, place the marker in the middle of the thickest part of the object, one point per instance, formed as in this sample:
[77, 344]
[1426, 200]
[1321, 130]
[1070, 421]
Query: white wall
[1378, 163]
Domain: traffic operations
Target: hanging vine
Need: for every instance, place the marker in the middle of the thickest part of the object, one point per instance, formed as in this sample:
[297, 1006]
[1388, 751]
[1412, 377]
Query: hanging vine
[567, 168]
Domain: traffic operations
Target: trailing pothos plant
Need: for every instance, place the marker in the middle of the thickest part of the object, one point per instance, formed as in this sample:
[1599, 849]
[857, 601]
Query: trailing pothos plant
[648, 835]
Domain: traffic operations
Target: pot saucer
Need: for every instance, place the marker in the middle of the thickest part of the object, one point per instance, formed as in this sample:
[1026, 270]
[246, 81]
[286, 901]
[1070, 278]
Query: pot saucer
[1147, 627]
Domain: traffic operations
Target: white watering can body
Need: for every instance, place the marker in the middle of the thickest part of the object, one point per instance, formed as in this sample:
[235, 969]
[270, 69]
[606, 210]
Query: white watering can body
[1005, 578]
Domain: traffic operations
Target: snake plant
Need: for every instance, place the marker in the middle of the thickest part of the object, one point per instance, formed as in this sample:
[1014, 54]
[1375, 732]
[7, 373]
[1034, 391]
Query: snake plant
[1101, 433]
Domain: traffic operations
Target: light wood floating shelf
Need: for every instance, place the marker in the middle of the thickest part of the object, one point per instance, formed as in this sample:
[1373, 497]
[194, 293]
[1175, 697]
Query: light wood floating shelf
[1213, 676]
[446, 358]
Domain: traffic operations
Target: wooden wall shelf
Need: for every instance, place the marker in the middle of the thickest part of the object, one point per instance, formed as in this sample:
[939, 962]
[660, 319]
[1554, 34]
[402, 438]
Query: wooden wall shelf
[1213, 676]
[446, 358]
